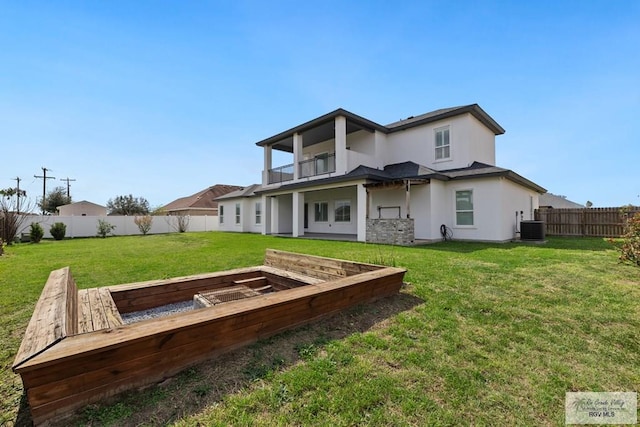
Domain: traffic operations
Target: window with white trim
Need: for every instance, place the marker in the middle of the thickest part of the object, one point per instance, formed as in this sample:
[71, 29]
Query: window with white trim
[443, 145]
[464, 207]
[321, 211]
[237, 213]
[258, 212]
[221, 213]
[342, 211]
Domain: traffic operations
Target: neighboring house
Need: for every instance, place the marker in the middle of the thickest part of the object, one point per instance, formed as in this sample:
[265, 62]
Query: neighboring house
[552, 201]
[353, 178]
[82, 208]
[200, 203]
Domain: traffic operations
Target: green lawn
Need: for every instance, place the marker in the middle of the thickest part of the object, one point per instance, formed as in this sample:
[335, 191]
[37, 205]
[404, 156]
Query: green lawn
[483, 334]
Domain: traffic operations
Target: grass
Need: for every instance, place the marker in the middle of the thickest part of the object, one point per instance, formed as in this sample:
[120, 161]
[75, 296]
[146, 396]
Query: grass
[483, 334]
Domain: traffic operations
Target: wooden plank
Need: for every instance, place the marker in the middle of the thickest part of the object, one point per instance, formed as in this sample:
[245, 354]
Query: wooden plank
[71, 308]
[85, 324]
[50, 320]
[273, 273]
[109, 306]
[98, 315]
[314, 266]
[252, 282]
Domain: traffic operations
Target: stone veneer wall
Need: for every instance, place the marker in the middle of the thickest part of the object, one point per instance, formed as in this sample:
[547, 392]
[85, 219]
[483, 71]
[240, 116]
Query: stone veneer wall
[397, 231]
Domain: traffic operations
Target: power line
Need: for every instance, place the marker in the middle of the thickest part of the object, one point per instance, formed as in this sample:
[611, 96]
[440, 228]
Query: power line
[17, 179]
[67, 179]
[44, 178]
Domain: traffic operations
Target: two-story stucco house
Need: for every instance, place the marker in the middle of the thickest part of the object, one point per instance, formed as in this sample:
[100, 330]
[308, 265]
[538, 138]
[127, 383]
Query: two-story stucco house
[349, 176]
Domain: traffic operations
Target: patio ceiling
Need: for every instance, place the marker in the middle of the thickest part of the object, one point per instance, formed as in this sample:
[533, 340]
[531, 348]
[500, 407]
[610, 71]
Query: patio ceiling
[319, 130]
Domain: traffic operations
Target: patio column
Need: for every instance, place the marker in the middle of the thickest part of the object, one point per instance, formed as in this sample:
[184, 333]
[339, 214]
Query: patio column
[297, 154]
[407, 198]
[341, 144]
[267, 164]
[266, 212]
[274, 215]
[363, 200]
[298, 213]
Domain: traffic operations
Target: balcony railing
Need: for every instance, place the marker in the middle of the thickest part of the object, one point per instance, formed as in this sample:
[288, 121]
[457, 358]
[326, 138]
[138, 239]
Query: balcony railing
[281, 174]
[319, 165]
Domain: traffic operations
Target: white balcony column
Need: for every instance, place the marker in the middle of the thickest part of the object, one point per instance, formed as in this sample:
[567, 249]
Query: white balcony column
[407, 198]
[268, 160]
[341, 144]
[298, 213]
[297, 154]
[363, 200]
[266, 213]
[274, 215]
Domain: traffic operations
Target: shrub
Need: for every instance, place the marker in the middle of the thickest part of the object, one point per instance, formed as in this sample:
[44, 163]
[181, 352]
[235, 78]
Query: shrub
[629, 246]
[36, 233]
[58, 230]
[144, 223]
[105, 228]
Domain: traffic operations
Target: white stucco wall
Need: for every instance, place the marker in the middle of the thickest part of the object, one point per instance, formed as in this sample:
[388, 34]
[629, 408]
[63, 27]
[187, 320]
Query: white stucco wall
[469, 139]
[331, 196]
[495, 201]
[229, 215]
[284, 219]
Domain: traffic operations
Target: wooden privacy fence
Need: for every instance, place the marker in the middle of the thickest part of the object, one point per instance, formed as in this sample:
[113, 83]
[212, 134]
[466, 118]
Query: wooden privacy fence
[591, 222]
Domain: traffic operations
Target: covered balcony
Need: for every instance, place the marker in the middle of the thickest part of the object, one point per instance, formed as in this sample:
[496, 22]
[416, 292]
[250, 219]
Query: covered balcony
[318, 147]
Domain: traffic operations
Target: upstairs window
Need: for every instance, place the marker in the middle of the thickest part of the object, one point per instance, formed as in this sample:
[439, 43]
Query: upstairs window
[464, 207]
[321, 211]
[237, 213]
[443, 147]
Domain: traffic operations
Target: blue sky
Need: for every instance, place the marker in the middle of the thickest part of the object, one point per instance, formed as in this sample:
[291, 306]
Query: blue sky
[161, 99]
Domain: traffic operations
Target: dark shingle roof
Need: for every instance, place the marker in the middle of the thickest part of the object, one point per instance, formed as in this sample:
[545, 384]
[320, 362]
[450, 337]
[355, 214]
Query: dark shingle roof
[242, 192]
[411, 170]
[443, 113]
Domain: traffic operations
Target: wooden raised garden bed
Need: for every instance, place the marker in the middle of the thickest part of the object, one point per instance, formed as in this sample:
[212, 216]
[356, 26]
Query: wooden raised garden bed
[77, 348]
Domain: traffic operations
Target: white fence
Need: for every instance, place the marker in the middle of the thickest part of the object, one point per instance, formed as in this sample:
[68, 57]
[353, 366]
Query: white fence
[87, 226]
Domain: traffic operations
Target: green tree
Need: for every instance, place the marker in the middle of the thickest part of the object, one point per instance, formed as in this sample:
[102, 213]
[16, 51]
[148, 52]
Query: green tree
[56, 197]
[128, 205]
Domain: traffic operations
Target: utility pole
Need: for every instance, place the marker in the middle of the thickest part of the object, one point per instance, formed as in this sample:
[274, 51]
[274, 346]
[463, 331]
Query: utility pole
[17, 179]
[44, 178]
[67, 179]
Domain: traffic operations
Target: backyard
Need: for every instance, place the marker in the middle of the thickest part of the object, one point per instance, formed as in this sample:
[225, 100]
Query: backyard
[482, 334]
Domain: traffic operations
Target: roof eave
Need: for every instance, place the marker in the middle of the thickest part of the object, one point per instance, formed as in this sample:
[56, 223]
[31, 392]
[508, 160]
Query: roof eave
[473, 109]
[359, 120]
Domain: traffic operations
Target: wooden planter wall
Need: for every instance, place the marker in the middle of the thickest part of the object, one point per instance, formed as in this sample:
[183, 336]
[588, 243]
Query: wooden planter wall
[77, 350]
